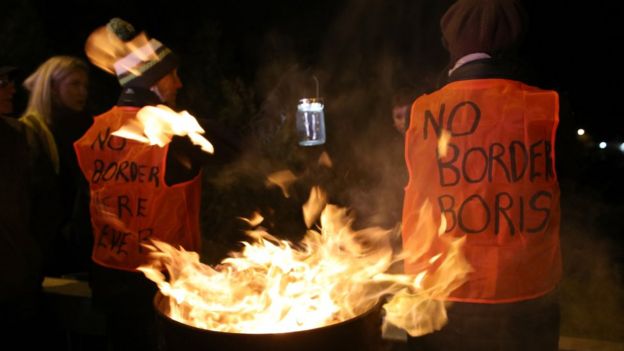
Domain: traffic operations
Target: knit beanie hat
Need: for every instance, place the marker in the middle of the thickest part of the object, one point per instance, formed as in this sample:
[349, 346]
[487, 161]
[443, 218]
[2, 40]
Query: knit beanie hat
[491, 26]
[136, 60]
[8, 70]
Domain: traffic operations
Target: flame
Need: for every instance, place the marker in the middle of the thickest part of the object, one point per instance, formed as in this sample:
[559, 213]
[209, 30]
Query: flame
[105, 49]
[335, 273]
[314, 206]
[255, 220]
[282, 179]
[445, 137]
[325, 160]
[156, 125]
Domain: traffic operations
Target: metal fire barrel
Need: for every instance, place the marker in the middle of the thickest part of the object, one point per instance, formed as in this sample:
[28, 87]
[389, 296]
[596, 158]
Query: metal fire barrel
[362, 333]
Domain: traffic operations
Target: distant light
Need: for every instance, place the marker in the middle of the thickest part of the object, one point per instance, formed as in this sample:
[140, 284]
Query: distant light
[602, 145]
[622, 147]
[581, 131]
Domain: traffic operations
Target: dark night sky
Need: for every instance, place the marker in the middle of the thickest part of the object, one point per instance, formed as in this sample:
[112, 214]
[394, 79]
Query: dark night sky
[571, 45]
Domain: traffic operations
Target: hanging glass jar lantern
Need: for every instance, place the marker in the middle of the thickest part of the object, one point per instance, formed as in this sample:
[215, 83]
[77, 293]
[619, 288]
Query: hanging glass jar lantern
[310, 120]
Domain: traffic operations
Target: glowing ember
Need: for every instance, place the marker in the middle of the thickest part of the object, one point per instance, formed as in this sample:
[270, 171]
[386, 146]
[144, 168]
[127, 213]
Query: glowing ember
[156, 125]
[334, 274]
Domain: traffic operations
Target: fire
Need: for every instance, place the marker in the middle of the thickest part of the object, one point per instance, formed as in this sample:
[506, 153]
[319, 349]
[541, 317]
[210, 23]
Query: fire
[325, 160]
[334, 274]
[273, 286]
[156, 125]
[104, 49]
[282, 179]
[445, 137]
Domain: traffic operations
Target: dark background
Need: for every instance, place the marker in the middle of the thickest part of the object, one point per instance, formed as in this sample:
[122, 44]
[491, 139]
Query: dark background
[246, 63]
[571, 46]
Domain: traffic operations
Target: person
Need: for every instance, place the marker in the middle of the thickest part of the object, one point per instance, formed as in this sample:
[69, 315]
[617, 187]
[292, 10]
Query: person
[53, 120]
[495, 185]
[401, 101]
[20, 253]
[7, 89]
[138, 192]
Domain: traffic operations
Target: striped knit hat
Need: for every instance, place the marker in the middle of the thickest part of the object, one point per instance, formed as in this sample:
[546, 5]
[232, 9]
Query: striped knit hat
[141, 62]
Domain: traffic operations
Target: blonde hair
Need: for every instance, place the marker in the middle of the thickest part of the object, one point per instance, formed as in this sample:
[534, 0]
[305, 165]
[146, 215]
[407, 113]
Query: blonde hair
[39, 110]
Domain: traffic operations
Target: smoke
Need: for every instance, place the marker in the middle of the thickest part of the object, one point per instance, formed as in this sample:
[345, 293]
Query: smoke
[592, 289]
[362, 53]
[363, 56]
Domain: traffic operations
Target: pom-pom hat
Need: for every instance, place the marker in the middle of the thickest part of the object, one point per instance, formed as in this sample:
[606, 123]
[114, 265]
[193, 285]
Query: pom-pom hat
[136, 60]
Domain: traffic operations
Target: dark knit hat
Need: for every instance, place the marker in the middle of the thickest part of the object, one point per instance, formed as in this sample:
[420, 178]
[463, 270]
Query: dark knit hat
[136, 60]
[491, 26]
[8, 70]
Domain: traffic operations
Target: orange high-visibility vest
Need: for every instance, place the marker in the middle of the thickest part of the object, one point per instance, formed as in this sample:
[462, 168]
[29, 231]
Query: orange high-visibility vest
[496, 185]
[130, 202]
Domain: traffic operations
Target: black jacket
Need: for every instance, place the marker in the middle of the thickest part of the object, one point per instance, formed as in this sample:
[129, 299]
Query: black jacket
[20, 254]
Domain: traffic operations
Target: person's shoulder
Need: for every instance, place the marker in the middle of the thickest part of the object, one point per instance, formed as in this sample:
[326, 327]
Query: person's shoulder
[12, 133]
[429, 94]
[13, 126]
[9, 122]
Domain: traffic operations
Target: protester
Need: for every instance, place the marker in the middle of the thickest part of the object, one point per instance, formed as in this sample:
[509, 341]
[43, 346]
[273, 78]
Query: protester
[20, 254]
[401, 101]
[494, 182]
[7, 89]
[54, 119]
[155, 192]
